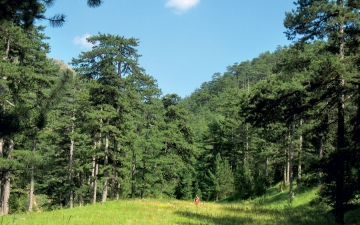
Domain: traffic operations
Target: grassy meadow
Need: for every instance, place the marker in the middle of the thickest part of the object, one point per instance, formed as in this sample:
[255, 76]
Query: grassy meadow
[272, 208]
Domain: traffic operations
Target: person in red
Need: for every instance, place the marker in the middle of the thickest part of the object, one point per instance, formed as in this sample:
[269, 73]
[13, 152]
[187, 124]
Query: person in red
[197, 200]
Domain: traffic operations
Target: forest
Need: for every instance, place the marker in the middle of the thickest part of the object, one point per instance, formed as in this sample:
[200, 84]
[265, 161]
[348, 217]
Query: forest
[101, 128]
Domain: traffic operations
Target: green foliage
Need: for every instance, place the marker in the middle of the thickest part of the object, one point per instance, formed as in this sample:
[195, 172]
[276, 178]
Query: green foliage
[106, 131]
[244, 183]
[28, 80]
[26, 12]
[331, 76]
[222, 178]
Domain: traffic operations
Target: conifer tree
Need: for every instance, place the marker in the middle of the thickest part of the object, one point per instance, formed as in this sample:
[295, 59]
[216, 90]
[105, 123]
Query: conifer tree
[337, 23]
[26, 12]
[30, 89]
[117, 92]
[222, 178]
[176, 160]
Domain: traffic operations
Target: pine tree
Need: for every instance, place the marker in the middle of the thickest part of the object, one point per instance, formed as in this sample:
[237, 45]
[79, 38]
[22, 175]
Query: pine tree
[335, 21]
[30, 89]
[124, 102]
[222, 178]
[176, 159]
[26, 12]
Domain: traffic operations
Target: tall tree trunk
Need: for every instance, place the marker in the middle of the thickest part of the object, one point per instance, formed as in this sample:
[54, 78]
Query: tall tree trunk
[285, 180]
[106, 155]
[300, 158]
[31, 192]
[283, 183]
[133, 174]
[82, 180]
[117, 190]
[106, 149]
[267, 168]
[291, 156]
[288, 160]
[247, 132]
[6, 193]
[246, 150]
[321, 156]
[118, 186]
[96, 165]
[94, 182]
[95, 173]
[70, 168]
[6, 186]
[119, 164]
[104, 191]
[339, 199]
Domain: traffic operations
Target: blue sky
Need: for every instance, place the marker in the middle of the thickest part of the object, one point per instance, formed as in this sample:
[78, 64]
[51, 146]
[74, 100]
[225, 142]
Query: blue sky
[182, 42]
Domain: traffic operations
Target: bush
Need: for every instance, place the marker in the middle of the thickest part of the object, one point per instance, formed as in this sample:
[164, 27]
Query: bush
[18, 203]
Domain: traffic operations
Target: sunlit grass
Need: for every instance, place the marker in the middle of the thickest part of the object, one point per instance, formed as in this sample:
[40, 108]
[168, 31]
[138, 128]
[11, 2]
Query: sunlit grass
[151, 212]
[273, 208]
[143, 212]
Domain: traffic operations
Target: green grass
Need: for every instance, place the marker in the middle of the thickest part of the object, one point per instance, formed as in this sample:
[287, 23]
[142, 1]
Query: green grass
[272, 208]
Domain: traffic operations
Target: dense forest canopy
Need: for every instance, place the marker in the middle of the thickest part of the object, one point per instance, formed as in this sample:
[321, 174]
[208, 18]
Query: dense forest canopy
[102, 129]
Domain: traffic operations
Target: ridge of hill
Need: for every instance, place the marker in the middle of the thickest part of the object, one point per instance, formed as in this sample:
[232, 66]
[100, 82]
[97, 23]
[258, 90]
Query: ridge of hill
[62, 65]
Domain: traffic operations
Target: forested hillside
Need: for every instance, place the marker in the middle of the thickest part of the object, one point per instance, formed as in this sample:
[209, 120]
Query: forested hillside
[103, 129]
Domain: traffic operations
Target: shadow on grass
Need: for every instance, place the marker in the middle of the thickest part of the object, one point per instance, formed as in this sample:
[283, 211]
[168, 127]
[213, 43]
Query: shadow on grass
[287, 215]
[274, 198]
[273, 195]
[213, 219]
